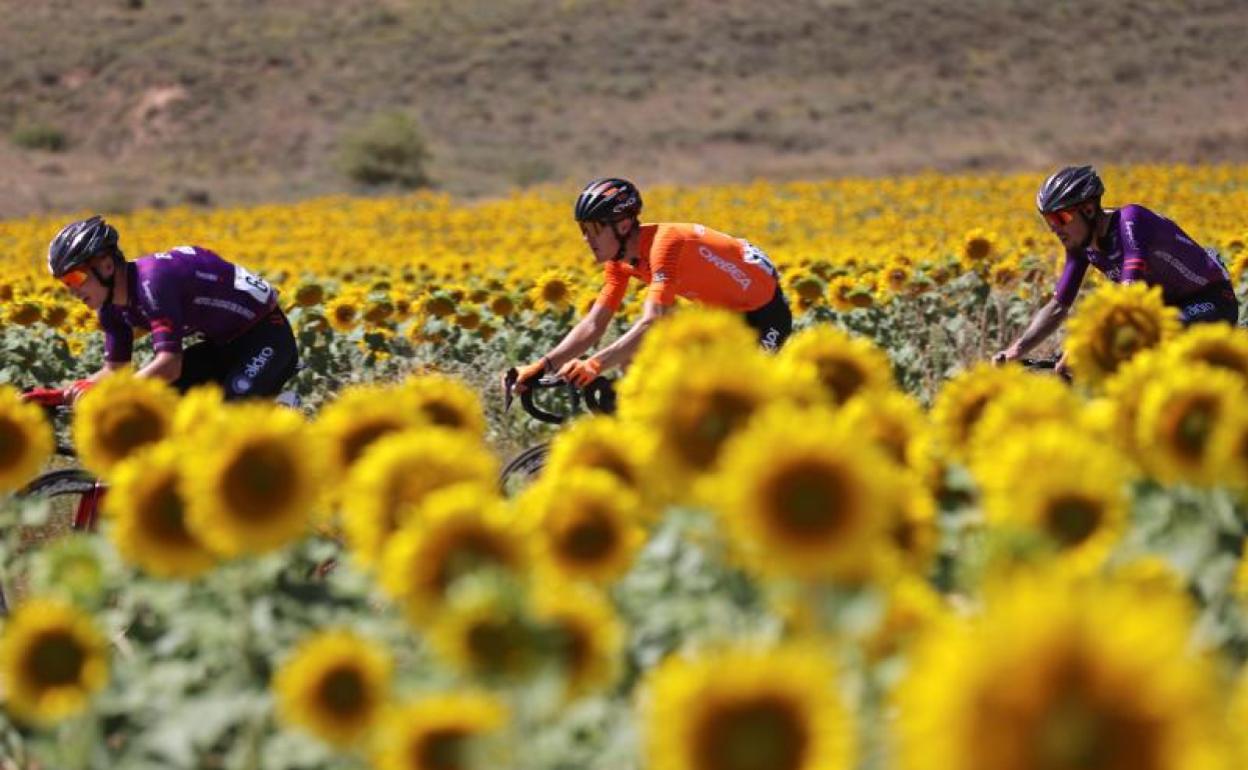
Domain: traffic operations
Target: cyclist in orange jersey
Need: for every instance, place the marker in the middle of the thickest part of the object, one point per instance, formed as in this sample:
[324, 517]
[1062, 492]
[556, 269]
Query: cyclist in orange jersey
[675, 260]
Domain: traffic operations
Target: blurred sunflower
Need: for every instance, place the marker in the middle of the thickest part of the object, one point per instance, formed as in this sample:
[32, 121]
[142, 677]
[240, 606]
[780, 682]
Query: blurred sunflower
[978, 247]
[586, 637]
[605, 443]
[1043, 400]
[438, 304]
[1005, 275]
[387, 485]
[1185, 430]
[912, 607]
[200, 411]
[687, 335]
[801, 497]
[846, 365]
[343, 312]
[461, 529]
[1114, 324]
[1216, 345]
[586, 525]
[1060, 675]
[963, 399]
[483, 632]
[552, 291]
[254, 489]
[894, 279]
[808, 288]
[120, 414]
[52, 660]
[355, 419]
[502, 305]
[445, 402]
[439, 732]
[309, 294]
[911, 530]
[1123, 392]
[334, 685]
[147, 513]
[1079, 502]
[25, 439]
[747, 709]
[891, 419]
[25, 313]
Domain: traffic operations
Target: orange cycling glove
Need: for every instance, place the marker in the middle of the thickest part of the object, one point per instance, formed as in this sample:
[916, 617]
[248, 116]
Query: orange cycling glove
[581, 373]
[532, 371]
[76, 391]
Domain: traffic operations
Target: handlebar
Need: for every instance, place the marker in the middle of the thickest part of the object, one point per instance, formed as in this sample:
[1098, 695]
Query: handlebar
[48, 398]
[599, 396]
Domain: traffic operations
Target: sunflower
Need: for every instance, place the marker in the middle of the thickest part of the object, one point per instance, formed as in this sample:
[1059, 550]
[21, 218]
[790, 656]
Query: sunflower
[343, 312]
[894, 279]
[586, 637]
[358, 417]
[842, 291]
[120, 414]
[1061, 675]
[962, 401]
[892, 420]
[586, 525]
[254, 489]
[502, 305]
[802, 497]
[438, 732]
[846, 365]
[1005, 275]
[747, 709]
[25, 439]
[687, 334]
[911, 528]
[977, 248]
[486, 633]
[1114, 324]
[1079, 503]
[309, 294]
[445, 402]
[1120, 403]
[147, 512]
[438, 304]
[334, 685]
[52, 660]
[605, 443]
[25, 313]
[201, 409]
[911, 607]
[378, 310]
[387, 485]
[461, 529]
[1042, 400]
[1216, 345]
[808, 287]
[552, 291]
[1186, 427]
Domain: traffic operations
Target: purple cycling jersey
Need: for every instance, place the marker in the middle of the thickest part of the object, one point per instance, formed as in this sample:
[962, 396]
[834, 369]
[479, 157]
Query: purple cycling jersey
[183, 291]
[1144, 246]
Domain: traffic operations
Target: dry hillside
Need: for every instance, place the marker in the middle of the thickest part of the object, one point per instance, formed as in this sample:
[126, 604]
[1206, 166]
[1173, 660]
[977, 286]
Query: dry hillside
[168, 101]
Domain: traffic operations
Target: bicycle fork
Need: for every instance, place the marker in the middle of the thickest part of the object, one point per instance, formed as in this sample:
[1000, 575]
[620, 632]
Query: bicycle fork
[89, 508]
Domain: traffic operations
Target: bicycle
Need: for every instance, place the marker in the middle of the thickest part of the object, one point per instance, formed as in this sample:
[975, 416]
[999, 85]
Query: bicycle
[598, 397]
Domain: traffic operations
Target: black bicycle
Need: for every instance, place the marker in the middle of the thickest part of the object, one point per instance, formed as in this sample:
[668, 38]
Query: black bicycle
[560, 401]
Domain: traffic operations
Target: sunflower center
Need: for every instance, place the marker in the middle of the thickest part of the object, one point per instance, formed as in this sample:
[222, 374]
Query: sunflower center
[129, 426]
[590, 538]
[12, 442]
[56, 660]
[978, 249]
[261, 479]
[1192, 427]
[342, 691]
[763, 733]
[443, 414]
[841, 378]
[808, 501]
[1071, 520]
[1223, 359]
[554, 291]
[362, 437]
[442, 749]
[165, 515]
[720, 413]
[971, 412]
[1077, 733]
[470, 551]
[573, 647]
[604, 458]
[1124, 333]
[495, 645]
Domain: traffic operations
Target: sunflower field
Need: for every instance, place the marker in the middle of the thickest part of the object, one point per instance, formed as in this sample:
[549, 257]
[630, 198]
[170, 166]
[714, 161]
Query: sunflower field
[869, 551]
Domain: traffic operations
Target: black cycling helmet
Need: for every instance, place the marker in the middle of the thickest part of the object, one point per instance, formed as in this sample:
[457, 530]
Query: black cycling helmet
[78, 242]
[608, 200]
[1069, 187]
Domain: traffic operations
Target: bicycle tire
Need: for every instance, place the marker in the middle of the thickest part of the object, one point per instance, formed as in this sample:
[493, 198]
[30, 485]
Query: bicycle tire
[523, 468]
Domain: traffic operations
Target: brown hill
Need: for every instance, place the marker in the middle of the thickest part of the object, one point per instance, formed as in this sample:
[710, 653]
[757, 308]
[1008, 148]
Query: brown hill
[244, 100]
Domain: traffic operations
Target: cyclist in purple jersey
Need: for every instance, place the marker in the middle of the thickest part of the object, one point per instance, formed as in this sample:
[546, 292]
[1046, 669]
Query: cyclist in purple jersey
[1127, 244]
[248, 347]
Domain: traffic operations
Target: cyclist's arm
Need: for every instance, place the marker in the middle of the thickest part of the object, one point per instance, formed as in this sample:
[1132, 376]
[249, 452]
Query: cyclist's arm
[621, 351]
[165, 365]
[1044, 323]
[582, 337]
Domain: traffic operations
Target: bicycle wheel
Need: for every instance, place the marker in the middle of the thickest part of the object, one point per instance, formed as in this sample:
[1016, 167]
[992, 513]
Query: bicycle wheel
[523, 469]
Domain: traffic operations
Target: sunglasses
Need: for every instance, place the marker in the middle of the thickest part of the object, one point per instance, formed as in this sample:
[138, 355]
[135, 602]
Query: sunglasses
[1059, 218]
[74, 278]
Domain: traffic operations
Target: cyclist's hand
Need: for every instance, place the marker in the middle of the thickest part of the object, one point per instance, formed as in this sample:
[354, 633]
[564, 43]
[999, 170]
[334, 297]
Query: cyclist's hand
[1005, 356]
[77, 390]
[526, 374]
[580, 373]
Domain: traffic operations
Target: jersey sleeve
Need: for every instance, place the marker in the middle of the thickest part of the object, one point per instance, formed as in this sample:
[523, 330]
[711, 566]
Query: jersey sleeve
[1131, 230]
[1071, 279]
[118, 336]
[614, 286]
[160, 297]
[664, 264]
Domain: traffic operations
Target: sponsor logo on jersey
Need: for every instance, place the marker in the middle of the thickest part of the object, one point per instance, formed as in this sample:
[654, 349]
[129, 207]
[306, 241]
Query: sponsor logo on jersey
[206, 276]
[147, 292]
[224, 304]
[241, 384]
[728, 268]
[257, 363]
[660, 277]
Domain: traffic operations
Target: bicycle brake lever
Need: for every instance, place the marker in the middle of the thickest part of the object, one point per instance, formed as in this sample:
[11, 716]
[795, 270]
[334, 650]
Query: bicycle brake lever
[509, 381]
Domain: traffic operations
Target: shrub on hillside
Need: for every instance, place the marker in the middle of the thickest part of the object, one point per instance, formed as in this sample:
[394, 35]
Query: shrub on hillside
[389, 149]
[39, 136]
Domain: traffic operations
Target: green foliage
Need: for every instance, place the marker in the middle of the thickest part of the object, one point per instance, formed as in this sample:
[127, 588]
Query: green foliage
[388, 149]
[39, 136]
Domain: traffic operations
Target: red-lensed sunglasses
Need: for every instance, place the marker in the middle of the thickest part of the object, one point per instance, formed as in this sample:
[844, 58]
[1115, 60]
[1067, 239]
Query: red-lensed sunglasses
[1059, 218]
[74, 278]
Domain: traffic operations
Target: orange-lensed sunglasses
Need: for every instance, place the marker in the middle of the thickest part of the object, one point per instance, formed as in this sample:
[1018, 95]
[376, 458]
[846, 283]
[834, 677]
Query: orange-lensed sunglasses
[74, 278]
[1059, 218]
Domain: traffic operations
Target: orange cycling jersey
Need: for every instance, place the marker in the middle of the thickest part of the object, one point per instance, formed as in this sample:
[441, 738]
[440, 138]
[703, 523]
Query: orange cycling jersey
[694, 262]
